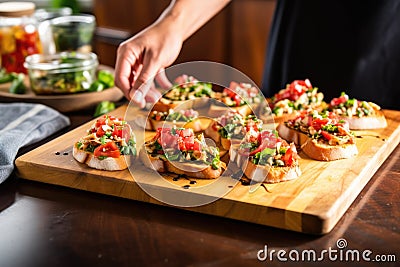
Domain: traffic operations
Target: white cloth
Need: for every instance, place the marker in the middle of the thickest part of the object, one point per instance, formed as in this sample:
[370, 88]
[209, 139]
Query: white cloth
[23, 124]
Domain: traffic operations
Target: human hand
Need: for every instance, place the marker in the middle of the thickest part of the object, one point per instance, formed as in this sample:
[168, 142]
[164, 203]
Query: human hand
[142, 58]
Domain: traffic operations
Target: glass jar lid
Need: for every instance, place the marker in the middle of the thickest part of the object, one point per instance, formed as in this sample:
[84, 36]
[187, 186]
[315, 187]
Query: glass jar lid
[16, 9]
[62, 62]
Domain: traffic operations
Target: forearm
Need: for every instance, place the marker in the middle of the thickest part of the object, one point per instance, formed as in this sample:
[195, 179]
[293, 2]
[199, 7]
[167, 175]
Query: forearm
[187, 16]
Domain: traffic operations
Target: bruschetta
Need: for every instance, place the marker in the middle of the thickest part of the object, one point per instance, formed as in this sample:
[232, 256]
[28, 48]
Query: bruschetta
[240, 97]
[180, 151]
[287, 103]
[361, 115]
[322, 136]
[180, 118]
[186, 93]
[231, 128]
[266, 158]
[108, 145]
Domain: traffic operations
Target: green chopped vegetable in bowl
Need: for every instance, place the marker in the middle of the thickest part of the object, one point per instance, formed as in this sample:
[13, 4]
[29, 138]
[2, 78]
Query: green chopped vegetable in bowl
[62, 73]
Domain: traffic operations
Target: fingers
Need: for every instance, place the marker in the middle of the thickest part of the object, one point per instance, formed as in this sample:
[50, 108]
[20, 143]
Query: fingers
[163, 80]
[153, 95]
[144, 81]
[138, 96]
[123, 70]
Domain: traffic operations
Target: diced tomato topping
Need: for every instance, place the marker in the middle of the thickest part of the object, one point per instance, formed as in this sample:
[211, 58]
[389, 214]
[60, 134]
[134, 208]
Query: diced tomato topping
[109, 149]
[103, 120]
[183, 139]
[197, 146]
[233, 95]
[266, 139]
[290, 155]
[294, 90]
[166, 139]
[326, 135]
[100, 121]
[339, 100]
[100, 132]
[317, 123]
[186, 139]
[251, 125]
[122, 132]
[181, 145]
[186, 132]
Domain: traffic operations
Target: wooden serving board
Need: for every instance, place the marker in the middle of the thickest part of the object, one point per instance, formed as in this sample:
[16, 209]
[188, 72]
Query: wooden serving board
[312, 203]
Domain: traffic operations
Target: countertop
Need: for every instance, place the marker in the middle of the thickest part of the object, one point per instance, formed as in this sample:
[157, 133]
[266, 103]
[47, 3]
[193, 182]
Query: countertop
[48, 225]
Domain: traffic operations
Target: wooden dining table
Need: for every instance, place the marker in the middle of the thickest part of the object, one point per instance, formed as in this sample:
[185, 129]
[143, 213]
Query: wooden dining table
[50, 225]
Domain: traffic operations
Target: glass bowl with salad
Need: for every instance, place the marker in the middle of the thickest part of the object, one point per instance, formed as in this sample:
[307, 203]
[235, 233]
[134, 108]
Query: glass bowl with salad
[61, 73]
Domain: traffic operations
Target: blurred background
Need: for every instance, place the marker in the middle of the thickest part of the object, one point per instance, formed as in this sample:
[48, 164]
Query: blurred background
[237, 36]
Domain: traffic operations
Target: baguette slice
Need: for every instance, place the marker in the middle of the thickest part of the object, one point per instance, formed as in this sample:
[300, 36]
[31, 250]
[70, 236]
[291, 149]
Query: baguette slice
[320, 151]
[201, 171]
[216, 110]
[109, 164]
[227, 143]
[267, 116]
[212, 133]
[263, 174]
[376, 121]
[196, 124]
[291, 135]
[281, 119]
[270, 175]
[164, 105]
[361, 115]
[316, 149]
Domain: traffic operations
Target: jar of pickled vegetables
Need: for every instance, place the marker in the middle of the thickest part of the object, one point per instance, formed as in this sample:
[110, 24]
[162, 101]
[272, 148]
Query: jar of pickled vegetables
[19, 36]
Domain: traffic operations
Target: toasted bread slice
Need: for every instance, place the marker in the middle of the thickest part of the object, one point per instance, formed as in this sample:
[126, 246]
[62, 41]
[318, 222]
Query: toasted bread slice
[272, 118]
[153, 125]
[164, 105]
[109, 164]
[212, 133]
[201, 171]
[216, 110]
[227, 143]
[285, 117]
[291, 135]
[361, 115]
[321, 151]
[263, 174]
[266, 174]
[376, 121]
[315, 149]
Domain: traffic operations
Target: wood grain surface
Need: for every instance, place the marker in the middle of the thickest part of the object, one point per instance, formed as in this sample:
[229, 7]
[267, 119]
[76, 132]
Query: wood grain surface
[313, 203]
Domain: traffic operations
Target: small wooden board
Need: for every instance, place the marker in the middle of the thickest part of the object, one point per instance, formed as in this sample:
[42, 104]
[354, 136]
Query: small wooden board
[313, 203]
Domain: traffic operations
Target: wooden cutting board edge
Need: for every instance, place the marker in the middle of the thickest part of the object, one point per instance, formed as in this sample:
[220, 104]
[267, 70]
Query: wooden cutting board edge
[295, 221]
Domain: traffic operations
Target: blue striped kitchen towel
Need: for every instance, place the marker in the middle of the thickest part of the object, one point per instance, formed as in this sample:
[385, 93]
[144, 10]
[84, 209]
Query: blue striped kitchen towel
[23, 124]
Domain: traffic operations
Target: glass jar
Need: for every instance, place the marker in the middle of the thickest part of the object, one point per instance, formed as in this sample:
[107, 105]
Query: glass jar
[61, 73]
[19, 36]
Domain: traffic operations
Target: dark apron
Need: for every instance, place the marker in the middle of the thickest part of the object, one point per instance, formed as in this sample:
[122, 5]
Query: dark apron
[340, 45]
